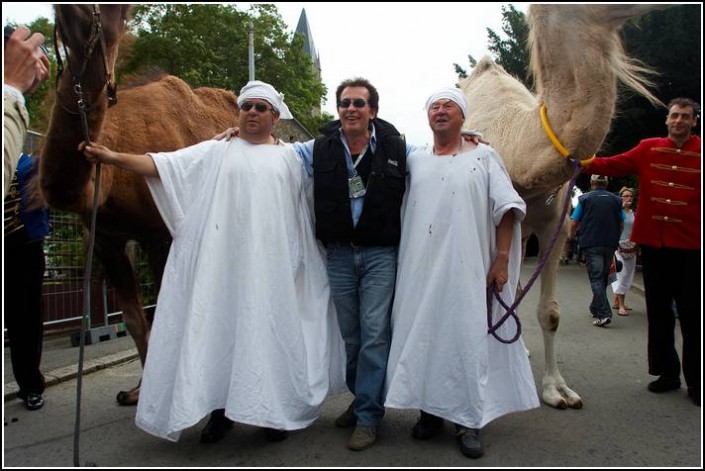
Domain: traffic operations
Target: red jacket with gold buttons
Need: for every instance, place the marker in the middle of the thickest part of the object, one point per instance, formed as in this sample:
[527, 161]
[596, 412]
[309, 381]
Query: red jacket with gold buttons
[669, 211]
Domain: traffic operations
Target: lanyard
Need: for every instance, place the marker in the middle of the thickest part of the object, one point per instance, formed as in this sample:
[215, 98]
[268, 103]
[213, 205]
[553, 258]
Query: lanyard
[360, 156]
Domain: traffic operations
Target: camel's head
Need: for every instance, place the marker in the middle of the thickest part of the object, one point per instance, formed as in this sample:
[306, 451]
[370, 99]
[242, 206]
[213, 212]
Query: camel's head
[94, 31]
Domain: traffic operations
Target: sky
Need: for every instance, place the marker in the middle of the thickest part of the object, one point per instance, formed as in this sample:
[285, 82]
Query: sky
[406, 52]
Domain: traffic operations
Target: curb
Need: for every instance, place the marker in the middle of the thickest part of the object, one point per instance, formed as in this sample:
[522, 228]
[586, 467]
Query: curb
[67, 373]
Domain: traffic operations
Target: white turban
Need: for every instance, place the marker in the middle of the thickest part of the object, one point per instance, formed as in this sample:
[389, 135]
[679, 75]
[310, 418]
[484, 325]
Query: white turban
[264, 91]
[453, 94]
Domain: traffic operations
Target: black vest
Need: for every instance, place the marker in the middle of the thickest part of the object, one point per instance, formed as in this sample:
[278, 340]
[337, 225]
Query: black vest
[380, 221]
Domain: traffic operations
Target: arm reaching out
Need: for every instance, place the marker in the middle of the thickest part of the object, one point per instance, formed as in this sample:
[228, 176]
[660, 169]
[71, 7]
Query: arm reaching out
[142, 164]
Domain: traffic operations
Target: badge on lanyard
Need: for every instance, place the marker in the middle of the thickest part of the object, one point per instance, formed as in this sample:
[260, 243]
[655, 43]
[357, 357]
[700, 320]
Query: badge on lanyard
[355, 186]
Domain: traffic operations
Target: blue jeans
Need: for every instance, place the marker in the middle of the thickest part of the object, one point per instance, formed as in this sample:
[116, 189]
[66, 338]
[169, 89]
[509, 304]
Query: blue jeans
[598, 260]
[362, 286]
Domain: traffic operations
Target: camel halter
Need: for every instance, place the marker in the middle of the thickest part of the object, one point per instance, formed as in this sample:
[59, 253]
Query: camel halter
[97, 36]
[554, 140]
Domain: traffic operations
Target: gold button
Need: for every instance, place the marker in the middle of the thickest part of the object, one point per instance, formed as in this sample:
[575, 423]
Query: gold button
[675, 167]
[668, 201]
[665, 218]
[670, 184]
[678, 151]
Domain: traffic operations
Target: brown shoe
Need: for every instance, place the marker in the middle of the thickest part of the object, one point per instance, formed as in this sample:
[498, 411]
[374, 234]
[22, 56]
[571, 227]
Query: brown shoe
[347, 419]
[362, 438]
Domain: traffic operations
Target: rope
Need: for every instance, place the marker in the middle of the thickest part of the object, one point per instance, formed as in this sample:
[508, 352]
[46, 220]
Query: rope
[88, 267]
[492, 289]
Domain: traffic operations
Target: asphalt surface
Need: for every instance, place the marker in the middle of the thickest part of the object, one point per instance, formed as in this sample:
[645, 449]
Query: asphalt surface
[621, 424]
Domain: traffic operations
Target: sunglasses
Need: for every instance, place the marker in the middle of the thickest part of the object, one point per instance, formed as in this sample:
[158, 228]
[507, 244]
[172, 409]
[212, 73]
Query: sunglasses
[261, 107]
[357, 103]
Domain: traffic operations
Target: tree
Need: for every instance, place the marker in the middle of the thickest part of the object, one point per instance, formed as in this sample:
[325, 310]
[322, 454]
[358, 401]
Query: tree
[511, 53]
[207, 46]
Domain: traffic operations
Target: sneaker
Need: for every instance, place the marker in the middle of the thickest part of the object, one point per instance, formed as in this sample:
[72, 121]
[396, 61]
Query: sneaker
[427, 426]
[602, 322]
[469, 441]
[664, 384]
[362, 438]
[347, 418]
[33, 401]
[274, 435]
[216, 428]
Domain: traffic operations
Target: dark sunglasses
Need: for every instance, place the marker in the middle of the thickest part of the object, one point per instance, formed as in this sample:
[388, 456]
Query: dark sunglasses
[357, 103]
[261, 107]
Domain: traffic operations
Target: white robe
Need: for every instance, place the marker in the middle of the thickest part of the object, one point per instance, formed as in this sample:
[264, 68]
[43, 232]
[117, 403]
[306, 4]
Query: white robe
[244, 318]
[442, 359]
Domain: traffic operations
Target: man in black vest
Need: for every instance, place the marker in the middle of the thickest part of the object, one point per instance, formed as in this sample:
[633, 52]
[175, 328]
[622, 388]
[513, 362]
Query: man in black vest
[600, 218]
[359, 173]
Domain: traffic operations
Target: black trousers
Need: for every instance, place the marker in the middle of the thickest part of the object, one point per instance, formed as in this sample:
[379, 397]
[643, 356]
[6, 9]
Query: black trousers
[24, 271]
[673, 274]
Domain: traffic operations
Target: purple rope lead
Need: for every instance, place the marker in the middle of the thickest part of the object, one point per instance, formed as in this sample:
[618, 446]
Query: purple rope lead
[492, 289]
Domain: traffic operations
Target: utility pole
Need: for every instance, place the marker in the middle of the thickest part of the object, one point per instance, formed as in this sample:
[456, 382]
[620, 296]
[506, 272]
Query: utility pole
[251, 49]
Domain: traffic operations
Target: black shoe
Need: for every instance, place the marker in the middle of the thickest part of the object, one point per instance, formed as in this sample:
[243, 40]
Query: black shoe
[427, 426]
[694, 395]
[216, 428]
[664, 384]
[33, 401]
[469, 441]
[274, 435]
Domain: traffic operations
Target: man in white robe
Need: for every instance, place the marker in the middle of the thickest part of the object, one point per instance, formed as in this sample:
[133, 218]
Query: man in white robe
[245, 326]
[460, 233]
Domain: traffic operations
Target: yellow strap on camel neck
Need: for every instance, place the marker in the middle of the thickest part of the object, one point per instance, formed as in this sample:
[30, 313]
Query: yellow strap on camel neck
[554, 140]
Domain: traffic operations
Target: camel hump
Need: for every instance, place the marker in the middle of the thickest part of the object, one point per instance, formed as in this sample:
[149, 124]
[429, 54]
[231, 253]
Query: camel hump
[486, 64]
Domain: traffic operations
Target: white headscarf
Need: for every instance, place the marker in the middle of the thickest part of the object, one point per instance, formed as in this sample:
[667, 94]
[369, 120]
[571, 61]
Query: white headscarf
[448, 93]
[264, 91]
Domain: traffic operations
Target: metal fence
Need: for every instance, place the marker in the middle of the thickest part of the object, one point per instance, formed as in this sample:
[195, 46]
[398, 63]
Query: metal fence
[62, 291]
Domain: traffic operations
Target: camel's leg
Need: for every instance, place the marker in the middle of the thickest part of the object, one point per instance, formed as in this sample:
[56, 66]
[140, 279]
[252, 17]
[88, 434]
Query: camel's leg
[555, 391]
[111, 253]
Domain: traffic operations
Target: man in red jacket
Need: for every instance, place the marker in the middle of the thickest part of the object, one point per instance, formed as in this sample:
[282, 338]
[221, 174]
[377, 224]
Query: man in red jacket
[667, 228]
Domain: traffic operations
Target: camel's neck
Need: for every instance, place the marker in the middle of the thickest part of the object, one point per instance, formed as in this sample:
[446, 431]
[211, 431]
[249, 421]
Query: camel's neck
[65, 172]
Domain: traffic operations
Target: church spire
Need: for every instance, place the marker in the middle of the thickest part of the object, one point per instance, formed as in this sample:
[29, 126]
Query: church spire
[304, 29]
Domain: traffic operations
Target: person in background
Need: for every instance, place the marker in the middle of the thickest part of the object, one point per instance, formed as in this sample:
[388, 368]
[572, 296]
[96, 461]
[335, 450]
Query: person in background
[461, 235]
[26, 226]
[667, 229]
[599, 219]
[626, 253]
[25, 67]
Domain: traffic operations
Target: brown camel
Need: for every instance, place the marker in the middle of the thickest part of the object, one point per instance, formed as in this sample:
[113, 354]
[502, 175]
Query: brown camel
[160, 116]
[577, 59]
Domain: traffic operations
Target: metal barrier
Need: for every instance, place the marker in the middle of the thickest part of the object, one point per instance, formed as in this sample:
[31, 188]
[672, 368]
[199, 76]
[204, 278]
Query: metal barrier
[62, 290]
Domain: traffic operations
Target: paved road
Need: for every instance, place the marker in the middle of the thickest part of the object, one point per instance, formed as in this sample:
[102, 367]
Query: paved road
[622, 424]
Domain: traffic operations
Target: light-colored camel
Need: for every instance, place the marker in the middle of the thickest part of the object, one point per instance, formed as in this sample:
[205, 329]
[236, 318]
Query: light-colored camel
[577, 59]
[160, 116]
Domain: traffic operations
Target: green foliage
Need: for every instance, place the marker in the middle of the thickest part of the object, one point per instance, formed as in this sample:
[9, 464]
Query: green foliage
[207, 46]
[511, 53]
